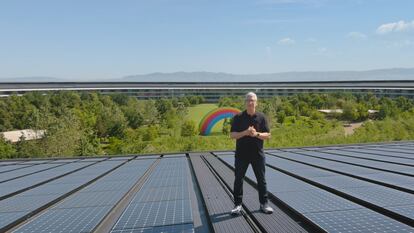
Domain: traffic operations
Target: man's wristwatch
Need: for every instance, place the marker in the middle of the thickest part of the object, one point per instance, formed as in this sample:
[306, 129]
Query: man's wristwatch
[257, 135]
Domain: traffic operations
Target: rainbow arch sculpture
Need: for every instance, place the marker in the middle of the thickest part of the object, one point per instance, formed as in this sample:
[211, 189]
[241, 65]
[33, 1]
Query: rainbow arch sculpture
[214, 116]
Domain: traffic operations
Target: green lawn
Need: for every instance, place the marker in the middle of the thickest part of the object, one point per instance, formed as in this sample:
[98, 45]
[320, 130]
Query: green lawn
[197, 112]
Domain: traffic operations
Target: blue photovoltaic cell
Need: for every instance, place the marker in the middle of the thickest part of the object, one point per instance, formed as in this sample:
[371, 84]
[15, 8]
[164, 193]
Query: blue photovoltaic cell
[27, 181]
[361, 220]
[149, 214]
[36, 162]
[311, 172]
[378, 152]
[66, 160]
[25, 171]
[319, 205]
[390, 178]
[406, 210]
[174, 155]
[24, 203]
[163, 200]
[339, 181]
[67, 220]
[89, 203]
[108, 186]
[10, 168]
[181, 228]
[357, 161]
[372, 193]
[315, 201]
[381, 196]
[162, 194]
[9, 217]
[91, 160]
[91, 199]
[5, 163]
[147, 156]
[370, 156]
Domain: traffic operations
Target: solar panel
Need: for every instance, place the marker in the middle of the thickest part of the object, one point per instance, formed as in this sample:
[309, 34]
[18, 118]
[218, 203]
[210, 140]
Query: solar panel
[369, 192]
[163, 203]
[150, 214]
[378, 152]
[162, 194]
[163, 199]
[7, 163]
[391, 151]
[92, 202]
[91, 199]
[339, 181]
[315, 201]
[67, 220]
[183, 228]
[50, 189]
[391, 178]
[10, 168]
[25, 203]
[371, 156]
[9, 217]
[360, 220]
[406, 210]
[174, 155]
[27, 181]
[358, 162]
[381, 196]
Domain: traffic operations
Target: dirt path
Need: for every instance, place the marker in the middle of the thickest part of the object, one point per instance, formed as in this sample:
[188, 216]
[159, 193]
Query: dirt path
[349, 128]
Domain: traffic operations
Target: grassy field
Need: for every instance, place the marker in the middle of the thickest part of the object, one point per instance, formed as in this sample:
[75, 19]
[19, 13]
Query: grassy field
[197, 112]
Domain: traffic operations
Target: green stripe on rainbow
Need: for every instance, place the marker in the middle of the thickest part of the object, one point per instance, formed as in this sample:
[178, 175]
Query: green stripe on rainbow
[214, 116]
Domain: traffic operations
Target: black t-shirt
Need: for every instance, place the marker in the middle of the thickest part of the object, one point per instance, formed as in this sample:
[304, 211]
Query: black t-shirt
[249, 147]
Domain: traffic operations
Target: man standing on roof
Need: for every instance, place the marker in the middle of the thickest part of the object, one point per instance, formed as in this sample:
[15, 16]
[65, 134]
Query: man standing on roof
[250, 128]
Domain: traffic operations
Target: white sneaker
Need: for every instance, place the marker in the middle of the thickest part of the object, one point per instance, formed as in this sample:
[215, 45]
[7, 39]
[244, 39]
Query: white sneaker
[237, 209]
[265, 208]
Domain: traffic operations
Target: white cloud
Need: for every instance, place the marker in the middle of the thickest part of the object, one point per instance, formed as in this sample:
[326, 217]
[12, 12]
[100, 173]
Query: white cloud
[286, 41]
[357, 35]
[399, 26]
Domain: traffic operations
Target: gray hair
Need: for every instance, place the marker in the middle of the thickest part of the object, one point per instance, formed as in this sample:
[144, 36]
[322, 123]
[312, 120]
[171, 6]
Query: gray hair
[251, 94]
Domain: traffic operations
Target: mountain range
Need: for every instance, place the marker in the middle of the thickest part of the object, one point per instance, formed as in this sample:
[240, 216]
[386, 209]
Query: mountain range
[379, 74]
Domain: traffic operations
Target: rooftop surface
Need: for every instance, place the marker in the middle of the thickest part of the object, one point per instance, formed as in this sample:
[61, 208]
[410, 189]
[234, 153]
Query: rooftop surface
[349, 188]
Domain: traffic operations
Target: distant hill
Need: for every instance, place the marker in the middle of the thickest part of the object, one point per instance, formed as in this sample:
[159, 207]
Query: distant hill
[381, 74]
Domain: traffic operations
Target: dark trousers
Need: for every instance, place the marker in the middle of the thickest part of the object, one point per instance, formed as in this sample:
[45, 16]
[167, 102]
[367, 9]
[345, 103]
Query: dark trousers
[241, 165]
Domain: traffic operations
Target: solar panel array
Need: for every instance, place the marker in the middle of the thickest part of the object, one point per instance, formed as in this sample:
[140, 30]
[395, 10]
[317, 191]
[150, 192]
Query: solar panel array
[163, 201]
[330, 211]
[353, 188]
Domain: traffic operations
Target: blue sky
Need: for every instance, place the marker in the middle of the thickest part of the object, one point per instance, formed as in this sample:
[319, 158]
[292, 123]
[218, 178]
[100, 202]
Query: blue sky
[99, 39]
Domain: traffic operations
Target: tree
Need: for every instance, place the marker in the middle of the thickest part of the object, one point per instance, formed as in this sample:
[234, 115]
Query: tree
[111, 122]
[151, 133]
[6, 149]
[188, 129]
[350, 112]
